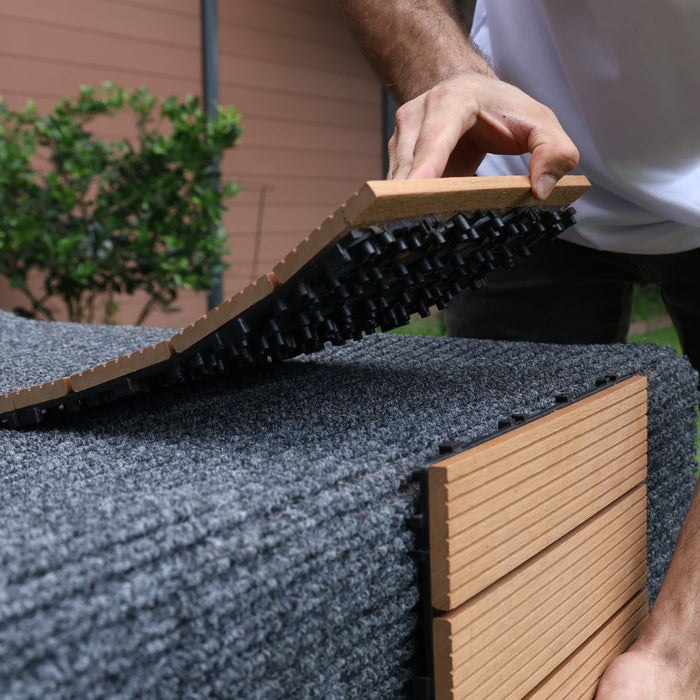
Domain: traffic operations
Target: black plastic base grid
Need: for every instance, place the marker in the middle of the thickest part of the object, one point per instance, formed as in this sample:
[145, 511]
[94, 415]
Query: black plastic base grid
[373, 278]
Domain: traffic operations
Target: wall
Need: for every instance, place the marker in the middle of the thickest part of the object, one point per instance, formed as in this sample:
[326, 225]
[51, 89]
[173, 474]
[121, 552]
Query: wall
[310, 106]
[48, 49]
[312, 112]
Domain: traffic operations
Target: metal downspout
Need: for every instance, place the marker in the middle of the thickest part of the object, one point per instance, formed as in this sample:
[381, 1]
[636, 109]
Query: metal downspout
[210, 91]
[388, 112]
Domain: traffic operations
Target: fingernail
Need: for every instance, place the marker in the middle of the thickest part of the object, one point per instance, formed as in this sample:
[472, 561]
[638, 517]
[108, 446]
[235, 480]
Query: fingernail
[544, 186]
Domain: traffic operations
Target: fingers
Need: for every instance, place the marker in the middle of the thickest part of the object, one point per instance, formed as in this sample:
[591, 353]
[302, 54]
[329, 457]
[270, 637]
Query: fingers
[409, 120]
[548, 163]
[428, 129]
[447, 116]
[553, 155]
[478, 115]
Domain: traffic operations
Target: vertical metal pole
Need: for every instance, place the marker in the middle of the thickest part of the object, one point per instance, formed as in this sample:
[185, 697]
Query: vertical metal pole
[210, 90]
[388, 112]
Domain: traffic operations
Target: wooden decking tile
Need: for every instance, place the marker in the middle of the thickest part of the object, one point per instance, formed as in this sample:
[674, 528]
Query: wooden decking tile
[385, 278]
[509, 638]
[380, 201]
[497, 504]
[391, 200]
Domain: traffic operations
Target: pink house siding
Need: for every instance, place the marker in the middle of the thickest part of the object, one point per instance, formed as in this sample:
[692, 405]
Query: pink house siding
[312, 112]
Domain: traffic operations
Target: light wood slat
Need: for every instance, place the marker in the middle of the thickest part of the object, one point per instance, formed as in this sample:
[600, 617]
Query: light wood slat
[389, 200]
[579, 416]
[577, 678]
[530, 539]
[524, 500]
[42, 392]
[128, 364]
[506, 640]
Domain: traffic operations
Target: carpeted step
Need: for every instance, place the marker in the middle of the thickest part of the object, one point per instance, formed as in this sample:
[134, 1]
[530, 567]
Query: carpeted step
[248, 536]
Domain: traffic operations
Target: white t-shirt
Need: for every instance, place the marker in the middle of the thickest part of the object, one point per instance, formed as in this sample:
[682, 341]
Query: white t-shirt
[623, 77]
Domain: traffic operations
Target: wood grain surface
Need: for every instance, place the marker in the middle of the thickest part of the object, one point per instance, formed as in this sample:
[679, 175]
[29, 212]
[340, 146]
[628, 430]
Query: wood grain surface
[497, 504]
[508, 639]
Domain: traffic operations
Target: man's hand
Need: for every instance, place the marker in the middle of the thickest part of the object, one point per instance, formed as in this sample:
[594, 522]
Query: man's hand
[455, 108]
[448, 130]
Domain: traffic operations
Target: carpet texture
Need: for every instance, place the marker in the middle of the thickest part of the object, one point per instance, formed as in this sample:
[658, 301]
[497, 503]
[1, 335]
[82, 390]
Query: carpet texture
[246, 537]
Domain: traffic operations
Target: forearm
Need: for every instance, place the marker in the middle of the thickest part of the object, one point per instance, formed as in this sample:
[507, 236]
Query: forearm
[413, 45]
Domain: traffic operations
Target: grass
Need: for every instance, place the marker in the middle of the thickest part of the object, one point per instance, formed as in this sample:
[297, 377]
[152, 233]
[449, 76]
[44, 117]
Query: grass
[665, 336]
[647, 302]
[430, 325]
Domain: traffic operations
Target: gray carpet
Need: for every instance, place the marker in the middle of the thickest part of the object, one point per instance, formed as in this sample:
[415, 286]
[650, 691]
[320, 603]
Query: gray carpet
[246, 538]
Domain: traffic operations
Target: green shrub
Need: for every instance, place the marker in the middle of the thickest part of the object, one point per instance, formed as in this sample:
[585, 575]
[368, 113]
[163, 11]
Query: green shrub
[98, 218]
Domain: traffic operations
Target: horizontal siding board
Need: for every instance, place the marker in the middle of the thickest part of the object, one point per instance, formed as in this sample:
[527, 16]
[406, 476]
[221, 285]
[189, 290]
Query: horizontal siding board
[262, 133]
[75, 47]
[260, 162]
[311, 7]
[129, 21]
[293, 193]
[284, 21]
[241, 258]
[242, 231]
[279, 75]
[39, 78]
[258, 101]
[187, 8]
[242, 221]
[335, 58]
[191, 303]
[280, 133]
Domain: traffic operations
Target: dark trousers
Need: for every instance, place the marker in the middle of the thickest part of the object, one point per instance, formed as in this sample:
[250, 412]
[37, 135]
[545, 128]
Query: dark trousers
[566, 293]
